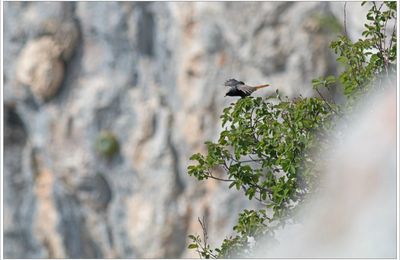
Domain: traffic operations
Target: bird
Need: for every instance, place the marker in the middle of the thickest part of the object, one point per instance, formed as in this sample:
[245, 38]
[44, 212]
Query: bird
[240, 89]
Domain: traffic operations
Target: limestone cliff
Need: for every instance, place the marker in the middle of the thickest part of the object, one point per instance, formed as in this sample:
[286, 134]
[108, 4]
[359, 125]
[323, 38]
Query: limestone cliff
[152, 74]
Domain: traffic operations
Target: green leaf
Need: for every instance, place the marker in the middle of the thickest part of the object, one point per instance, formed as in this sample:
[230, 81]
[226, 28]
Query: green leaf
[342, 59]
[193, 246]
[330, 79]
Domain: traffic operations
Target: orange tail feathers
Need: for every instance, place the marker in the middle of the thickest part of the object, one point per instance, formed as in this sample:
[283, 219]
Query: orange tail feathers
[261, 86]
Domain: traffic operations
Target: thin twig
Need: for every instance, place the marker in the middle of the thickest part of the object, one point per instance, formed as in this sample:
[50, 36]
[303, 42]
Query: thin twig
[380, 7]
[256, 160]
[384, 34]
[330, 107]
[344, 18]
[390, 47]
[205, 237]
[252, 160]
[216, 178]
[258, 199]
[393, 34]
[247, 161]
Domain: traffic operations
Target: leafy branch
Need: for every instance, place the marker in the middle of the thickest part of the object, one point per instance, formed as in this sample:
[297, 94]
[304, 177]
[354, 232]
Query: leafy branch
[201, 246]
[265, 146]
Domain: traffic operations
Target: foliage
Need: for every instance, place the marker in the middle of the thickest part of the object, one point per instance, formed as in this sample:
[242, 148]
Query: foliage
[366, 59]
[265, 146]
[202, 247]
[261, 148]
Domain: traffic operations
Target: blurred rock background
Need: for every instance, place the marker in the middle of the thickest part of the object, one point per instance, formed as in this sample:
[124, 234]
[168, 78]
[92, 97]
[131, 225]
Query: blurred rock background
[105, 102]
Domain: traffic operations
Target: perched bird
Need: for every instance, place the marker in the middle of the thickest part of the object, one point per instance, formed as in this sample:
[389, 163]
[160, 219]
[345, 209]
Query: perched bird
[239, 89]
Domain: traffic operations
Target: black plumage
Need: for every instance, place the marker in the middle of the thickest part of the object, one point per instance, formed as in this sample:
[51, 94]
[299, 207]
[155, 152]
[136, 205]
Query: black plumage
[239, 88]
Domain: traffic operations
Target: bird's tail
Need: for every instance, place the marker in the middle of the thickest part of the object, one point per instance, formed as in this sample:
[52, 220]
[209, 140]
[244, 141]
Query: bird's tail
[261, 86]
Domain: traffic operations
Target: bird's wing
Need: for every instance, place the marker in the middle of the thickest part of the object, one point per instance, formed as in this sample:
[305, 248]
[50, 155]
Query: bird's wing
[233, 83]
[246, 89]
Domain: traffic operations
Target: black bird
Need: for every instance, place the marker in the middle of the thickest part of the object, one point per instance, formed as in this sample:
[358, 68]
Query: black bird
[240, 89]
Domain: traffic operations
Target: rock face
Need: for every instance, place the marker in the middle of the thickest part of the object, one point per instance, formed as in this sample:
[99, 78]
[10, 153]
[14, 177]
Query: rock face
[39, 67]
[41, 62]
[151, 74]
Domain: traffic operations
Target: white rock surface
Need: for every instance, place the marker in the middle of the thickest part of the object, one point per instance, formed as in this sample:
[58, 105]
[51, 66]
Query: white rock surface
[152, 74]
